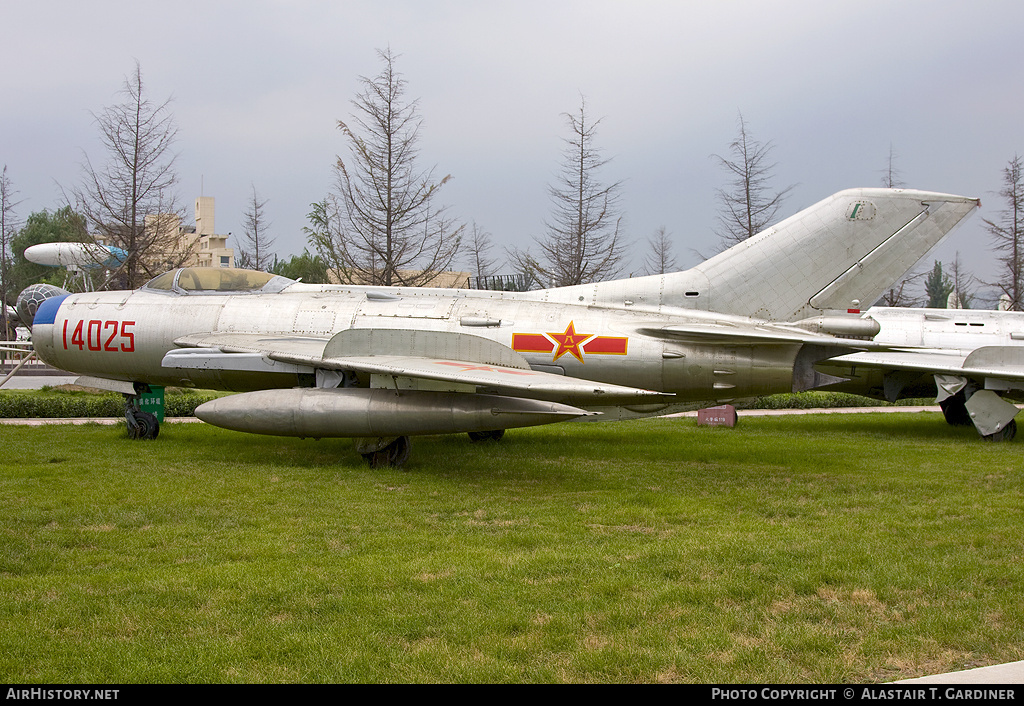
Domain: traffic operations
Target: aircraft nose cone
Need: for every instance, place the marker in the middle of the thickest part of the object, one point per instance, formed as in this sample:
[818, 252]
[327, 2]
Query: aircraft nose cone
[32, 297]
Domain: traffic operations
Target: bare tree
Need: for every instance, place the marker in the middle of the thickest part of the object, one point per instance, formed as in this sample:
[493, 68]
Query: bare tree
[1007, 232]
[255, 252]
[660, 259]
[899, 293]
[964, 285]
[583, 242]
[892, 178]
[902, 292]
[748, 204]
[7, 229]
[383, 225]
[129, 201]
[479, 245]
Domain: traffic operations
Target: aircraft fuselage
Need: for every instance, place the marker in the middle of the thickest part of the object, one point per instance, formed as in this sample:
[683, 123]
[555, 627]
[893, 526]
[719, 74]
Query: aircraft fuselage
[125, 335]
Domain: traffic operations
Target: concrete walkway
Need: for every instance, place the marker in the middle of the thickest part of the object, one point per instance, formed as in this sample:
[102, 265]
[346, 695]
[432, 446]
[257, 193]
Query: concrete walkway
[36, 382]
[1010, 673]
[819, 410]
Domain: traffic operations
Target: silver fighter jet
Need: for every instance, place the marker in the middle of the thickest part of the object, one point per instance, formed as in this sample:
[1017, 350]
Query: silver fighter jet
[382, 364]
[972, 361]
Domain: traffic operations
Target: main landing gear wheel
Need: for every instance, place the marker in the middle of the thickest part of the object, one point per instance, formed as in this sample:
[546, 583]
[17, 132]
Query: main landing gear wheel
[954, 409]
[393, 455]
[486, 435]
[1004, 434]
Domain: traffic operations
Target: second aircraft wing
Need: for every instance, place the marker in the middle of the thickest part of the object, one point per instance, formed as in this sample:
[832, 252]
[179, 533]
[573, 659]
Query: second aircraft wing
[1003, 362]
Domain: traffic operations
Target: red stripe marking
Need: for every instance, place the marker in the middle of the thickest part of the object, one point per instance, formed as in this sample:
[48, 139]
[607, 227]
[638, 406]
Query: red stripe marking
[531, 343]
[606, 344]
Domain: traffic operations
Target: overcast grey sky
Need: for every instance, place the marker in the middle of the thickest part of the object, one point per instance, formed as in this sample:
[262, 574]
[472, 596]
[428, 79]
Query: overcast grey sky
[258, 88]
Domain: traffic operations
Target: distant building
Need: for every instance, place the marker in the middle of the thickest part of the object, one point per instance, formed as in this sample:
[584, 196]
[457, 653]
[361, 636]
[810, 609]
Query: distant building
[210, 250]
[180, 245]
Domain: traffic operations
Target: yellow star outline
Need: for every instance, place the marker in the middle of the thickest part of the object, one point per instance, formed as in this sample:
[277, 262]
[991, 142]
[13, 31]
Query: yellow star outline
[569, 342]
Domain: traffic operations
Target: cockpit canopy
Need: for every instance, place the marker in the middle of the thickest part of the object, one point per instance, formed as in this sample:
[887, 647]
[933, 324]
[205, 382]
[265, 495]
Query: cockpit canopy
[216, 280]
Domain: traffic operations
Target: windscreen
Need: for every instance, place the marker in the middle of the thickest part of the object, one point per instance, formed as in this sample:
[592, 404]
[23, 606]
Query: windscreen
[213, 279]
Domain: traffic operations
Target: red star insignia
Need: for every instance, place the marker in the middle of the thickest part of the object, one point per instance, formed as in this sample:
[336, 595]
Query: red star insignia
[569, 342]
[486, 368]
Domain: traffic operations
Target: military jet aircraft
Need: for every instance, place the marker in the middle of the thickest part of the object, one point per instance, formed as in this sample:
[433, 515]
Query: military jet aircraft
[971, 360]
[384, 363]
[80, 259]
[77, 256]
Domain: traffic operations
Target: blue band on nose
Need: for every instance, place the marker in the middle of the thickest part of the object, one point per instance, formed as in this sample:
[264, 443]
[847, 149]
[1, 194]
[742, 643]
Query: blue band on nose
[47, 311]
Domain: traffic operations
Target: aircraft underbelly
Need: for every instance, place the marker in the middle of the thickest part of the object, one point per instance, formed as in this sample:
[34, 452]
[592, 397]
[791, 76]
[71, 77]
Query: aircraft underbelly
[726, 372]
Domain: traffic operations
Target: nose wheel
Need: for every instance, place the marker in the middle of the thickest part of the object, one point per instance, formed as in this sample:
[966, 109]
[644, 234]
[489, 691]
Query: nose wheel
[141, 425]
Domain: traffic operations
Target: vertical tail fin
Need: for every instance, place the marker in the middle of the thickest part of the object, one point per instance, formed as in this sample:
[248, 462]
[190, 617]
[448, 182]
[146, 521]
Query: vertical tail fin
[852, 246]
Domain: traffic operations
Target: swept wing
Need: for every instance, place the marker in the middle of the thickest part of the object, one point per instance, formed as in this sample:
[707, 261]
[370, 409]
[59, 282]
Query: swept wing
[474, 363]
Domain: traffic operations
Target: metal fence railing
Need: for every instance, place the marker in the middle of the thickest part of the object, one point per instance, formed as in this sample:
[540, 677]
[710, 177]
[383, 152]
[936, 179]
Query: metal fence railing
[504, 283]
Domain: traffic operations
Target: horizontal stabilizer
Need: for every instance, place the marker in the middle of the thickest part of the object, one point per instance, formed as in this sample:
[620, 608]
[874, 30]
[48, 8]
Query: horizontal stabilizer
[726, 332]
[1005, 363]
[923, 361]
[736, 331]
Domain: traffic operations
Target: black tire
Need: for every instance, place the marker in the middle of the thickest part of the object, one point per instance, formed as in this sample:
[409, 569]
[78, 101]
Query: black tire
[143, 425]
[494, 435]
[393, 455]
[1004, 434]
[954, 409]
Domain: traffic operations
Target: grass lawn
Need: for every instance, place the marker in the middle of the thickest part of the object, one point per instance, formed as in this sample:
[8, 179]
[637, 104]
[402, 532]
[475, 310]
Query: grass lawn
[831, 548]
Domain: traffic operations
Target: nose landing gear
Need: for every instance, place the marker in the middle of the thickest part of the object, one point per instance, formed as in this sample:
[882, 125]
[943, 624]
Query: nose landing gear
[141, 424]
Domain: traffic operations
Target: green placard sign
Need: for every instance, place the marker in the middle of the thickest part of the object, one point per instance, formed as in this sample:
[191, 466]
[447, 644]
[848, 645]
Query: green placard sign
[153, 402]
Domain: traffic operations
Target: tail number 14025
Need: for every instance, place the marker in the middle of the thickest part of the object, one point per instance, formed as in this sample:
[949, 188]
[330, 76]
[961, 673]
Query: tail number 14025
[111, 336]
